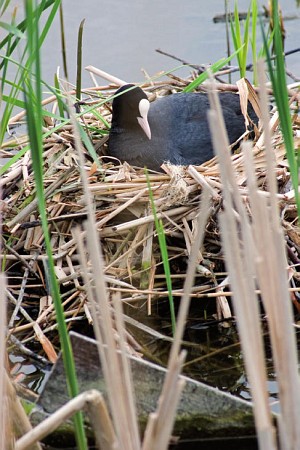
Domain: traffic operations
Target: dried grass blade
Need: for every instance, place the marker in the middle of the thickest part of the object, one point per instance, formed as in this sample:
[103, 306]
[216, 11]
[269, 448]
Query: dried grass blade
[200, 179]
[111, 231]
[92, 401]
[121, 208]
[272, 265]
[103, 326]
[223, 307]
[46, 344]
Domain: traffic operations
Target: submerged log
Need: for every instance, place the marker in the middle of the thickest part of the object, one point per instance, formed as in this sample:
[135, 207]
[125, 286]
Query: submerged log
[203, 411]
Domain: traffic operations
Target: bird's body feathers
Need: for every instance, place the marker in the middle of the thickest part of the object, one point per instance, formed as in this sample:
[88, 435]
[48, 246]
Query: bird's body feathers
[179, 129]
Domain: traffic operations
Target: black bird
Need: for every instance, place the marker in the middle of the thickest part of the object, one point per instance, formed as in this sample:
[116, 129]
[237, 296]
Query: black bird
[171, 129]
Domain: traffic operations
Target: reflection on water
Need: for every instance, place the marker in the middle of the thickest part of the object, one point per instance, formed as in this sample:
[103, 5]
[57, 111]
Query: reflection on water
[27, 372]
[213, 349]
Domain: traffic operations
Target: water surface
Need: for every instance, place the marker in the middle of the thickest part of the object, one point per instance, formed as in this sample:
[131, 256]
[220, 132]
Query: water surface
[121, 37]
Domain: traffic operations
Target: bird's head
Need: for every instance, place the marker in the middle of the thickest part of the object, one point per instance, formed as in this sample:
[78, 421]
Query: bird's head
[130, 107]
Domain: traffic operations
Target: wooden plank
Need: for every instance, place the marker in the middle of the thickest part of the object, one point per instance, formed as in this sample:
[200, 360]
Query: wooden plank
[203, 410]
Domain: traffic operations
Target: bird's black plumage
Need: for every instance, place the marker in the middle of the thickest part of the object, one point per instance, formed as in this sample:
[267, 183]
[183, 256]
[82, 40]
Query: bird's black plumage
[179, 127]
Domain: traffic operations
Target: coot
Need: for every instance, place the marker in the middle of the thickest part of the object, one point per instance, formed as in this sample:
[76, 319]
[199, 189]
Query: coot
[171, 129]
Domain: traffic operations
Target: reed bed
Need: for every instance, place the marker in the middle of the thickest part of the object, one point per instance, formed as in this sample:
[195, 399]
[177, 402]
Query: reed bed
[124, 223]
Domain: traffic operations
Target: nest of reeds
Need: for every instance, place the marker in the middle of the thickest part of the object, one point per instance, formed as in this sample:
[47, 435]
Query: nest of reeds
[125, 223]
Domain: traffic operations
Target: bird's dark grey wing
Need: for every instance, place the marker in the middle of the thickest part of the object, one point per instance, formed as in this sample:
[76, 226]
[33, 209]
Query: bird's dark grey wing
[186, 127]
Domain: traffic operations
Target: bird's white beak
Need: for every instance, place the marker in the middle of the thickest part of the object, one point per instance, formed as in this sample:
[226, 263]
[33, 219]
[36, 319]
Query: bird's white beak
[143, 119]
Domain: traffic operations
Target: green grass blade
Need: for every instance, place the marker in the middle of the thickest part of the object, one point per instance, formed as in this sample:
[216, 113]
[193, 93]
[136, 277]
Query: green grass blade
[279, 84]
[237, 28]
[212, 69]
[11, 101]
[58, 95]
[22, 27]
[89, 146]
[63, 40]
[3, 6]
[51, 17]
[254, 9]
[79, 60]
[238, 41]
[33, 96]
[13, 30]
[14, 87]
[15, 33]
[164, 254]
[244, 52]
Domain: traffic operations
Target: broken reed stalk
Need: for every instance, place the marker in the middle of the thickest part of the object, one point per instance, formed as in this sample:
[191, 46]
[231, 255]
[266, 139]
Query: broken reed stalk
[92, 401]
[21, 423]
[272, 265]
[256, 250]
[240, 259]
[238, 244]
[160, 423]
[117, 371]
[107, 76]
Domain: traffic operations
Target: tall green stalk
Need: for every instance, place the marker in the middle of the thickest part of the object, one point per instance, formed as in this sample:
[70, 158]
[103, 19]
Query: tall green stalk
[254, 8]
[212, 69]
[63, 40]
[279, 84]
[8, 45]
[238, 41]
[164, 254]
[33, 98]
[249, 37]
[79, 61]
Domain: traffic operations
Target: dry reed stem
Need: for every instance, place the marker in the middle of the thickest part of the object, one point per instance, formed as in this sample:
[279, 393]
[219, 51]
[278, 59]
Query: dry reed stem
[92, 401]
[105, 75]
[116, 371]
[160, 423]
[5, 416]
[202, 218]
[103, 327]
[248, 320]
[20, 421]
[240, 256]
[263, 244]
[276, 299]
